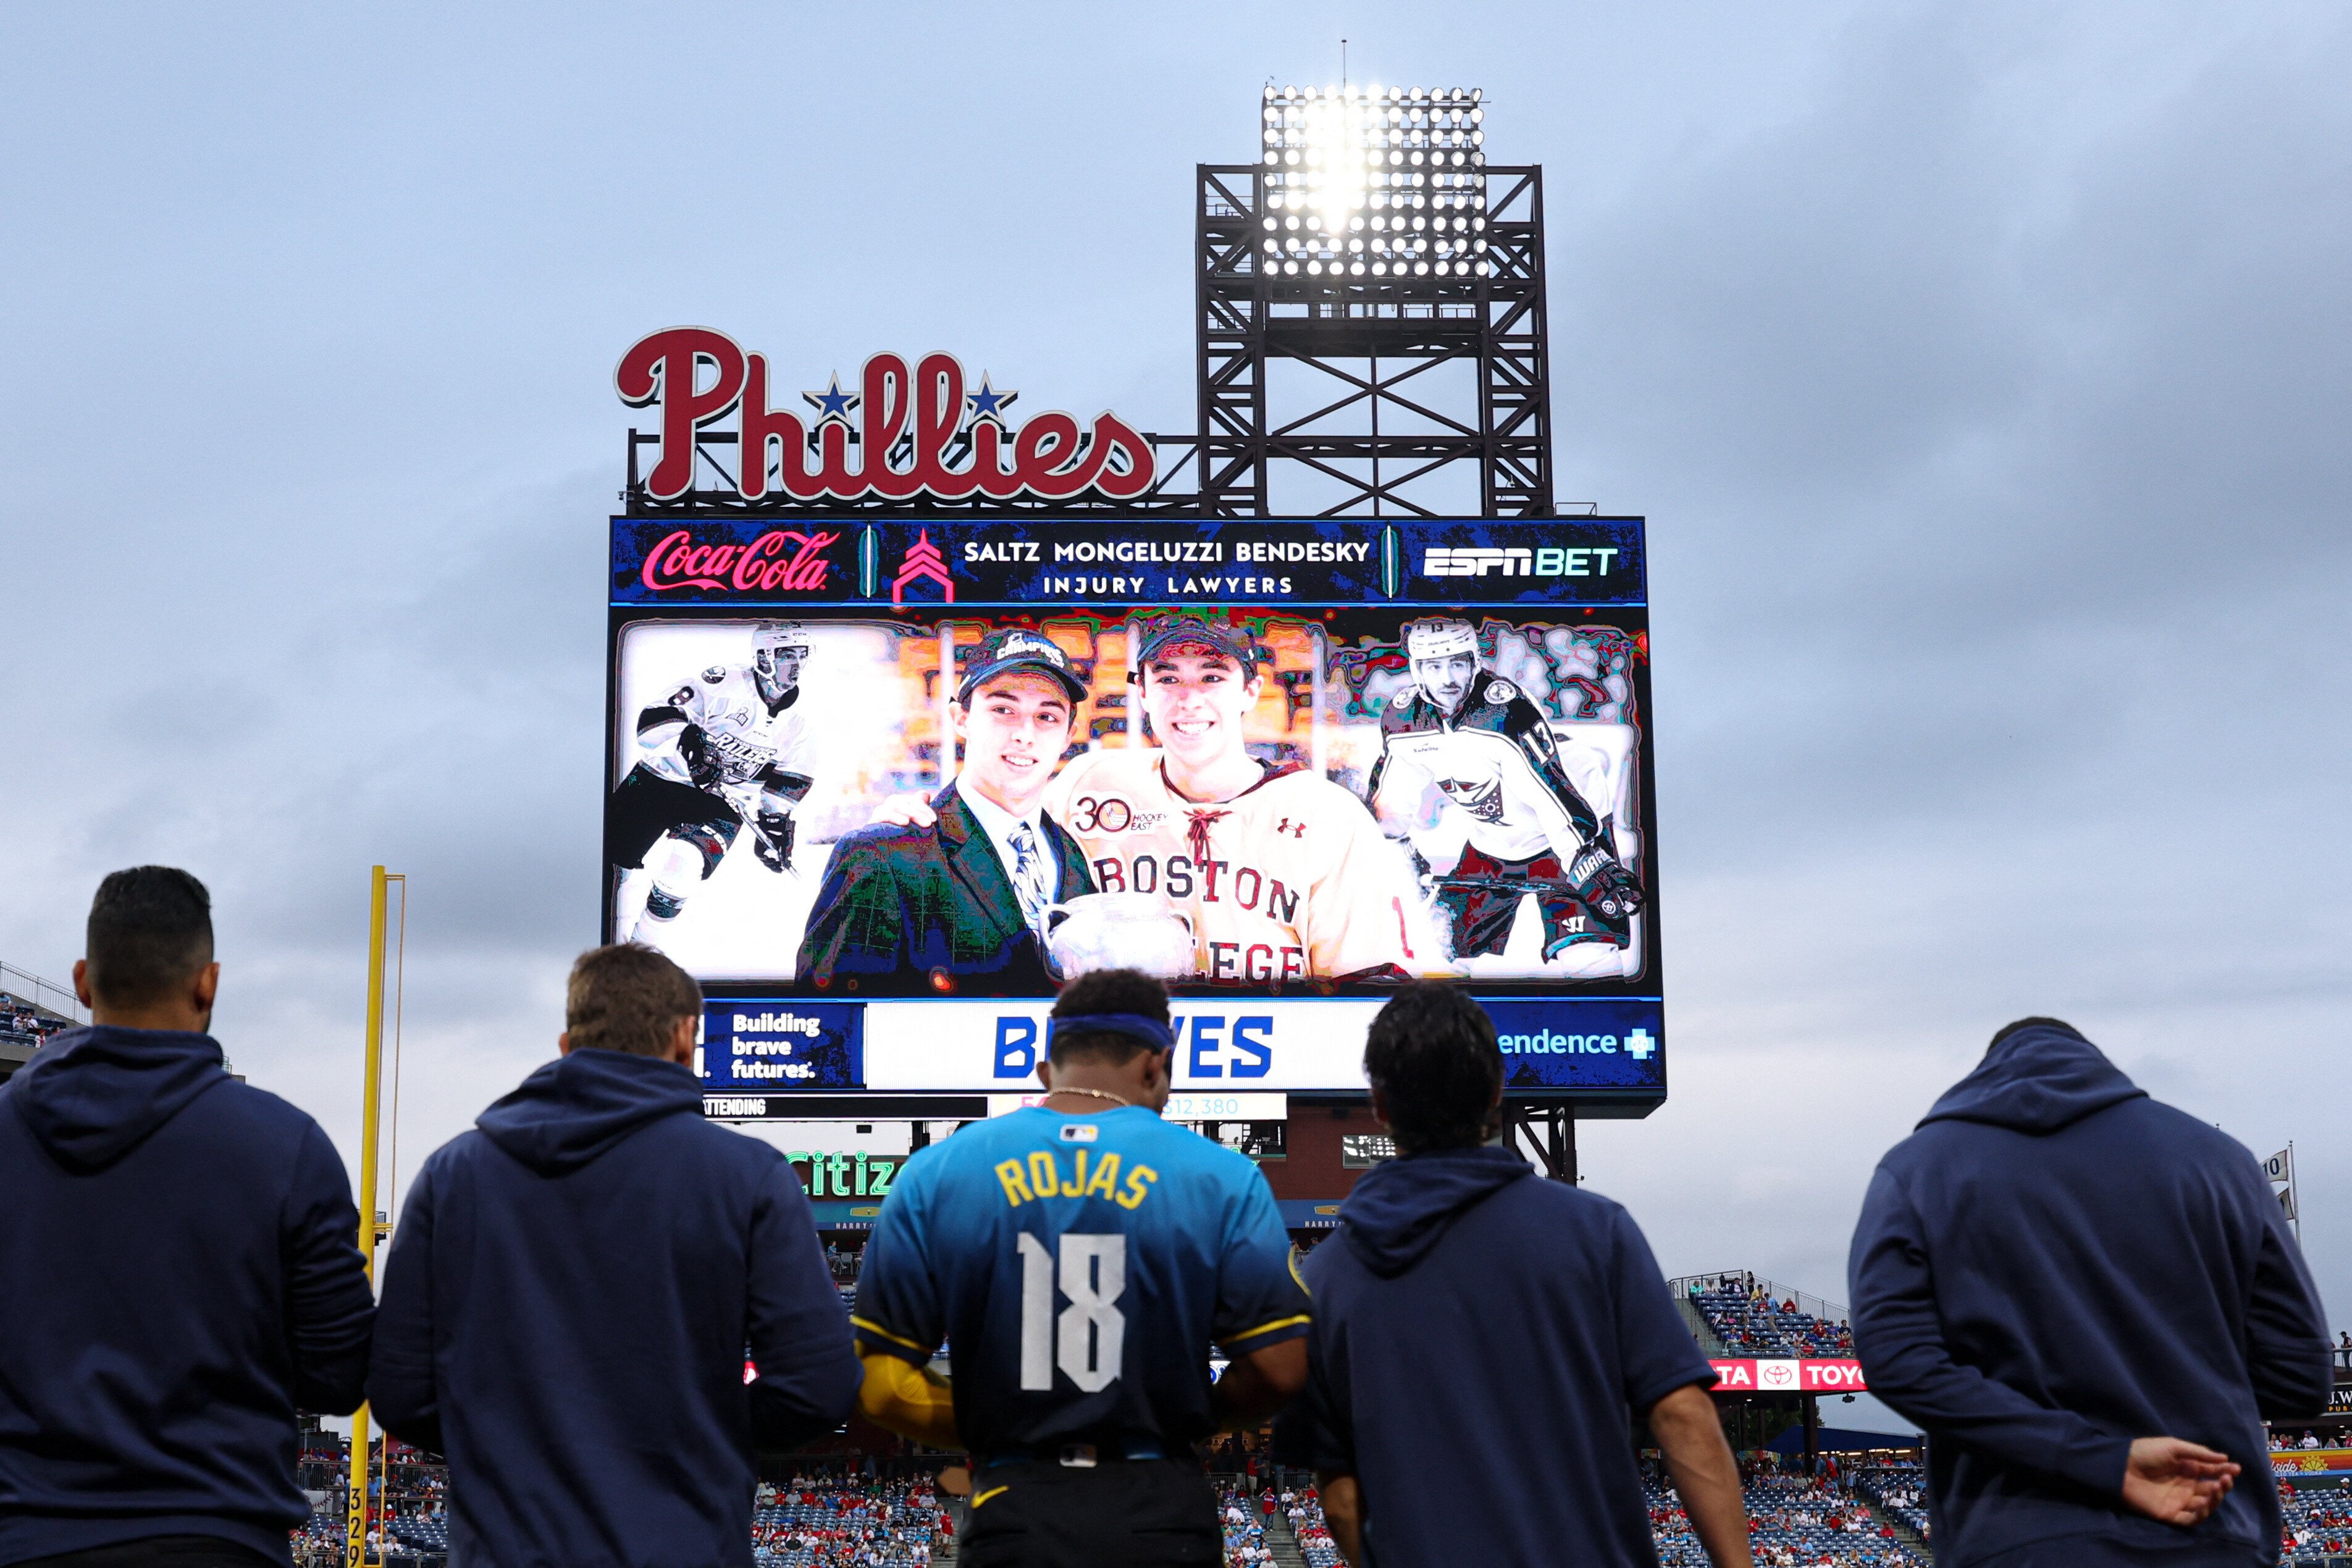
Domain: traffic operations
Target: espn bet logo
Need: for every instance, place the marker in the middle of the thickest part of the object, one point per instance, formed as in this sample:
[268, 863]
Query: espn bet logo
[1515, 561]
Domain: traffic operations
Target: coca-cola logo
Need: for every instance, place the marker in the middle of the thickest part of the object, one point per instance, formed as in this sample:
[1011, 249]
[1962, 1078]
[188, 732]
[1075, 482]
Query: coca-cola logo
[780, 559]
[918, 432]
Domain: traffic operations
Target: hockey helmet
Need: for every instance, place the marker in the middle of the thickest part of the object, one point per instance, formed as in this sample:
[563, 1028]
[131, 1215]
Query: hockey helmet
[773, 637]
[1440, 640]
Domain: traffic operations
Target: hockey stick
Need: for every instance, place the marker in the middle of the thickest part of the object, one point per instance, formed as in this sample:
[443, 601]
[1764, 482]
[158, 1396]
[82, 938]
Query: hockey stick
[1495, 885]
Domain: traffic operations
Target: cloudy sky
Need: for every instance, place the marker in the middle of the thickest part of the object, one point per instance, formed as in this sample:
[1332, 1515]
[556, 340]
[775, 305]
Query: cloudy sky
[1982, 371]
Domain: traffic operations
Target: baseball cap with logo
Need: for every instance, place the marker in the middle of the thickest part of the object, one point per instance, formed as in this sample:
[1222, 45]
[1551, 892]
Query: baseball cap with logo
[1018, 648]
[1174, 630]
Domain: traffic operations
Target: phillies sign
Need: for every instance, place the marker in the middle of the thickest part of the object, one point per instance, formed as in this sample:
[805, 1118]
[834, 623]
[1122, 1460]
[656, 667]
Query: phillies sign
[918, 432]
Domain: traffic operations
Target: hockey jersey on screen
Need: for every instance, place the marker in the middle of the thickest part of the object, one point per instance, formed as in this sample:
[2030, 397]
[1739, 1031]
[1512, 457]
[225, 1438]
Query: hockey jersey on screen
[1289, 881]
[718, 733]
[1496, 763]
[1078, 1268]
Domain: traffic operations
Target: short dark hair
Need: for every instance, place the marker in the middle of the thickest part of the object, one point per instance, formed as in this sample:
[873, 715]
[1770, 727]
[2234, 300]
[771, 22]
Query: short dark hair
[628, 997]
[1432, 1054]
[151, 929]
[1104, 991]
[2010, 1029]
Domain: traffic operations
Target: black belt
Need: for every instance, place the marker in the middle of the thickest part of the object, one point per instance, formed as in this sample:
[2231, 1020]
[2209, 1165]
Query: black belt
[1080, 1456]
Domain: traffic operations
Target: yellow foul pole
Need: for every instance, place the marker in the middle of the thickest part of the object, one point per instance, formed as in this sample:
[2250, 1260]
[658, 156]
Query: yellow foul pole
[371, 1114]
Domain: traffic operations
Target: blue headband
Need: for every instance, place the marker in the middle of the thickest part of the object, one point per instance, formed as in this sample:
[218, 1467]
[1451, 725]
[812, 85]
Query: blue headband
[1149, 1031]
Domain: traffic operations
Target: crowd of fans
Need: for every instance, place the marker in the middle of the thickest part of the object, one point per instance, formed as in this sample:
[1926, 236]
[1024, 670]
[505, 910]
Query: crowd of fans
[841, 1517]
[1793, 1521]
[1245, 1519]
[2286, 1441]
[838, 1519]
[822, 1517]
[21, 1025]
[1897, 1491]
[1314, 1532]
[2315, 1523]
[1751, 1319]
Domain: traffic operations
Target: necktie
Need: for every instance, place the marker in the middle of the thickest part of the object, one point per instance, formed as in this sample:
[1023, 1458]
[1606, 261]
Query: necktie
[1029, 875]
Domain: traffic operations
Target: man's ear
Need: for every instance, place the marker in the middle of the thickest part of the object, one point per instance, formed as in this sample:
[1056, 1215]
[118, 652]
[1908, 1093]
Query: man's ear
[563, 1043]
[681, 1042]
[205, 988]
[1163, 1069]
[1045, 1072]
[81, 981]
[1381, 1110]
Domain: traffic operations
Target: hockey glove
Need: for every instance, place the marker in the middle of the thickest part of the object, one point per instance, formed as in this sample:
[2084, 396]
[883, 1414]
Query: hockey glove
[1608, 887]
[772, 841]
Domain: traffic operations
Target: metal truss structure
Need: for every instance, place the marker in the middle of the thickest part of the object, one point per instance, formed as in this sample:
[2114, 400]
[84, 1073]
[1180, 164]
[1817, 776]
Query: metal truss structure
[1326, 393]
[1548, 1128]
[1374, 425]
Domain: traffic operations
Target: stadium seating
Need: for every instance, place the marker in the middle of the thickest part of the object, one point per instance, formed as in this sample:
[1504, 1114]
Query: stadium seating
[423, 1537]
[818, 1522]
[838, 1519]
[1314, 1531]
[319, 1543]
[1792, 1523]
[2316, 1524]
[835, 1518]
[1897, 1491]
[824, 1520]
[1246, 1545]
[1755, 1321]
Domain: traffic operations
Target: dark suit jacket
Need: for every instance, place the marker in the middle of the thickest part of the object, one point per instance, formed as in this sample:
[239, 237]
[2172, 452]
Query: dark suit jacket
[899, 904]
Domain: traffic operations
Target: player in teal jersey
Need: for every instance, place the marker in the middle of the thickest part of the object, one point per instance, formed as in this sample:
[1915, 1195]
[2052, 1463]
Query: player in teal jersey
[1079, 1258]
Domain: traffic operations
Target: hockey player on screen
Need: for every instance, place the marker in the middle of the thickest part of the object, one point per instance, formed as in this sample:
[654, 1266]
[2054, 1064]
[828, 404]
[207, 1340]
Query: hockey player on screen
[1284, 874]
[1495, 760]
[727, 746]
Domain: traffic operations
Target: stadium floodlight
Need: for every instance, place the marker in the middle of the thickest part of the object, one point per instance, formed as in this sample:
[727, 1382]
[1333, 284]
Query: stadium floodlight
[1372, 181]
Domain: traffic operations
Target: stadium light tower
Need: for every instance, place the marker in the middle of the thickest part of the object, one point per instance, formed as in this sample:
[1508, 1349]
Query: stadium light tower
[1373, 247]
[1371, 181]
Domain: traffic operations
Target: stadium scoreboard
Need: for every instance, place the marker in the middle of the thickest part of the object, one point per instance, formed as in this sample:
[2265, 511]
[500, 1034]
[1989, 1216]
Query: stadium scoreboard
[801, 672]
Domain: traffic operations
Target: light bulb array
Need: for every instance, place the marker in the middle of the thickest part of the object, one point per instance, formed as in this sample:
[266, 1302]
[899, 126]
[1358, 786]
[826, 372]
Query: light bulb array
[1374, 182]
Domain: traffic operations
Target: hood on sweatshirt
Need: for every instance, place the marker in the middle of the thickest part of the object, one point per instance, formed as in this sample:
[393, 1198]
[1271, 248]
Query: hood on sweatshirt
[92, 1095]
[1401, 1209]
[2041, 1079]
[578, 1106]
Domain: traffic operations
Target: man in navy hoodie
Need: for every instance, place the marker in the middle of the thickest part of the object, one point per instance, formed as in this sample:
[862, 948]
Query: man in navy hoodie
[1483, 1342]
[2090, 1302]
[179, 1269]
[574, 1289]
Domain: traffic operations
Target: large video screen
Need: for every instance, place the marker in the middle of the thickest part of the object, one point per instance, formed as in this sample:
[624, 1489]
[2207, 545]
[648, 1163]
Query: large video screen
[883, 787]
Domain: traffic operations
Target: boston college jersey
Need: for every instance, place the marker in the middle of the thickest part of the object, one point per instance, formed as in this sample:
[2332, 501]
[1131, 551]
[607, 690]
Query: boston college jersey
[1288, 881]
[1496, 763]
[730, 739]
